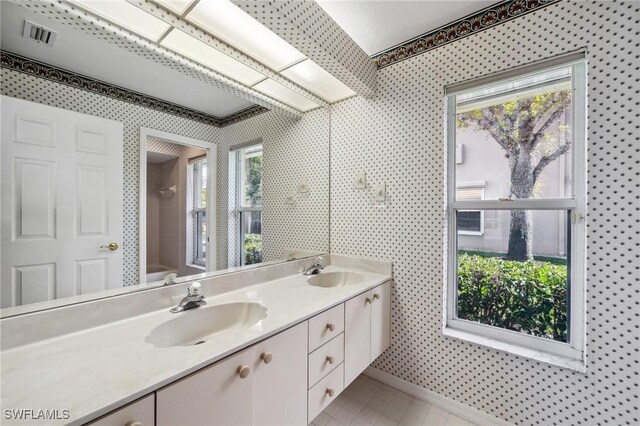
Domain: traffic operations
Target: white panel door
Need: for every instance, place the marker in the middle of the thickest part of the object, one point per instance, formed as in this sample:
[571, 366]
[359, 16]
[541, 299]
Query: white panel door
[380, 319]
[357, 336]
[280, 385]
[61, 199]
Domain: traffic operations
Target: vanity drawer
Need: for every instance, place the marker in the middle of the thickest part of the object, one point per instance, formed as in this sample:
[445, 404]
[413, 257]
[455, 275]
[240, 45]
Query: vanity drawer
[140, 412]
[324, 359]
[325, 392]
[325, 326]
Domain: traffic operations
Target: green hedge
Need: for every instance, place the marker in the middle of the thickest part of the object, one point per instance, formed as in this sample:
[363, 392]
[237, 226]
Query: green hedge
[252, 248]
[530, 297]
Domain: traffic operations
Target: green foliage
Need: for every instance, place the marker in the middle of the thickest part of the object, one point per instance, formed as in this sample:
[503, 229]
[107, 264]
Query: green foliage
[529, 297]
[252, 248]
[254, 180]
[546, 259]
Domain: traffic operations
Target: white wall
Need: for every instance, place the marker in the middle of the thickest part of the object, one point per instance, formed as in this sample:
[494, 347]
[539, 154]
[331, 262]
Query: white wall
[397, 137]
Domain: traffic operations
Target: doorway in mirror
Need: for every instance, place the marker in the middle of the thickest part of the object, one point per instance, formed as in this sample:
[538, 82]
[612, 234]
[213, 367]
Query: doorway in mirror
[178, 205]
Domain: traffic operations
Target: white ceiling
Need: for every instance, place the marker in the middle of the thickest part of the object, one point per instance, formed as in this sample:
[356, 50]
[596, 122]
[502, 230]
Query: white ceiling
[79, 52]
[377, 25]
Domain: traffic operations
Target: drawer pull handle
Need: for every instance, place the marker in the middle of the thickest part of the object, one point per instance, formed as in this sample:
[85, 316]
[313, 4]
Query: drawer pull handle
[331, 326]
[266, 357]
[330, 392]
[330, 359]
[243, 371]
[376, 296]
[133, 423]
[368, 300]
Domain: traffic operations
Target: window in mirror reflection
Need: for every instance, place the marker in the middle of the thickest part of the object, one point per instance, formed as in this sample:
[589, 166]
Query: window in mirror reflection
[249, 205]
[200, 212]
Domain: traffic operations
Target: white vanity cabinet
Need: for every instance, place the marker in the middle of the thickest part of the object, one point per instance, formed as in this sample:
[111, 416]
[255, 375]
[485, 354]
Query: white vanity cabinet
[264, 384]
[138, 413]
[367, 329]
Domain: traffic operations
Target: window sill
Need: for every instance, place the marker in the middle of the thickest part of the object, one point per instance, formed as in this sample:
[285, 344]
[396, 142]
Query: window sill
[572, 364]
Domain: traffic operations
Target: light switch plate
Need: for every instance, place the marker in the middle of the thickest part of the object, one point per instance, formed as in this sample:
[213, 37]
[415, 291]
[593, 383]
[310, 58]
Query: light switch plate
[360, 181]
[380, 193]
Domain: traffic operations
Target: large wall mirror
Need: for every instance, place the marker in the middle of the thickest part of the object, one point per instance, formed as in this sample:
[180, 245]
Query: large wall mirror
[118, 173]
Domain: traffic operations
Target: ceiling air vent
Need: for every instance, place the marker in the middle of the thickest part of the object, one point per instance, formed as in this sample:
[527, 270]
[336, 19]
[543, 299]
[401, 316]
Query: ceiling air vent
[39, 33]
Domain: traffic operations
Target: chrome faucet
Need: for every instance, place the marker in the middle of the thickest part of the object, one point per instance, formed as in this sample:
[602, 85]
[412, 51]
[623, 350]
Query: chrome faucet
[315, 267]
[193, 299]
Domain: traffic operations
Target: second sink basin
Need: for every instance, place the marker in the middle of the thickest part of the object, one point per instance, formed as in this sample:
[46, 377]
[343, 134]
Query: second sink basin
[194, 326]
[335, 279]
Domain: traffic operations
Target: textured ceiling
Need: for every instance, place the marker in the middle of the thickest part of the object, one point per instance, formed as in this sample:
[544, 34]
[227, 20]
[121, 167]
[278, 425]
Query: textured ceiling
[378, 25]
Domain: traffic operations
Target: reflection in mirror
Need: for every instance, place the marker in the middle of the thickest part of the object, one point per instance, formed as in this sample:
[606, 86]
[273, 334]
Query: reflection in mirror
[113, 180]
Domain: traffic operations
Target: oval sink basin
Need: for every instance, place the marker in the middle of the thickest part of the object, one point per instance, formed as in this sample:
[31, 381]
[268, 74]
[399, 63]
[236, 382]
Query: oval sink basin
[194, 326]
[335, 279]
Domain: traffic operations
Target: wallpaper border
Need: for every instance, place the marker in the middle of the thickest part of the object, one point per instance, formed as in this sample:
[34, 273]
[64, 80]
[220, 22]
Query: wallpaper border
[486, 18]
[59, 75]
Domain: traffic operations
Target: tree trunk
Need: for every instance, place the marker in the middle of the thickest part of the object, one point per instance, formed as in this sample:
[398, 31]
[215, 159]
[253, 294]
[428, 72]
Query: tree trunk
[520, 229]
[520, 244]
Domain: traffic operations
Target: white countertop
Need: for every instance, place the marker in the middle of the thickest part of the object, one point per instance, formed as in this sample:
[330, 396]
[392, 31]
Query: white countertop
[97, 370]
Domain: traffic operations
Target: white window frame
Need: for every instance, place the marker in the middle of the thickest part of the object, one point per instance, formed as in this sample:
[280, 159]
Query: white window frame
[198, 258]
[571, 354]
[474, 185]
[240, 208]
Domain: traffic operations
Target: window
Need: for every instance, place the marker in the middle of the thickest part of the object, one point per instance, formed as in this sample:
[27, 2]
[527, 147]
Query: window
[249, 205]
[198, 175]
[470, 222]
[517, 281]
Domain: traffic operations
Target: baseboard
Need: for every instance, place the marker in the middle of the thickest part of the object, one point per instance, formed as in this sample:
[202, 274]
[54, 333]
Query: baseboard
[458, 408]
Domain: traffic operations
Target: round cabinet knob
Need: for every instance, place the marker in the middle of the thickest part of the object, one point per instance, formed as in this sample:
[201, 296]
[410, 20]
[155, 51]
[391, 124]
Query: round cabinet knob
[330, 359]
[331, 326]
[330, 392]
[376, 296]
[133, 423]
[368, 300]
[266, 357]
[243, 371]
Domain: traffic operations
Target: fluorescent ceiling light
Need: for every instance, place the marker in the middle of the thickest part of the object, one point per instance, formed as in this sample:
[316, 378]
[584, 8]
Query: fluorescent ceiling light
[126, 15]
[228, 22]
[285, 95]
[315, 79]
[176, 6]
[206, 55]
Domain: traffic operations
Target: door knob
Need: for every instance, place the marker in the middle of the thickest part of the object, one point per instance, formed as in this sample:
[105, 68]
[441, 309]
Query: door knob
[330, 359]
[266, 357]
[243, 371]
[111, 246]
[331, 326]
[376, 296]
[330, 392]
[367, 300]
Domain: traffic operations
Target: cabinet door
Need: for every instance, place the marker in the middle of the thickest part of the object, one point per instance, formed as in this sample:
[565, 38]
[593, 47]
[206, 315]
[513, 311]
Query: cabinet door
[216, 395]
[357, 336]
[280, 385]
[380, 319]
[140, 412]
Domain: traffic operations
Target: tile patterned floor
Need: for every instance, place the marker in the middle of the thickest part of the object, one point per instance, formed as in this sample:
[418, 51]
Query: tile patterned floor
[369, 402]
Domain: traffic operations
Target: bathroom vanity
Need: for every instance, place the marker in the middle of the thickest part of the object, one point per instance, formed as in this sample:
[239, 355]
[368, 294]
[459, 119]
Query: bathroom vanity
[271, 346]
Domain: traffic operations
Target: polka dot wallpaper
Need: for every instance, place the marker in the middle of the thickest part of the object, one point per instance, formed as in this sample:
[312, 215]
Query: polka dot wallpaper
[397, 137]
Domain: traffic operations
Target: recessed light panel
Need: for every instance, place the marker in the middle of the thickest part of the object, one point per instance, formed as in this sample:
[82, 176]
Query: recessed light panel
[315, 79]
[229, 23]
[206, 55]
[126, 15]
[176, 6]
[285, 95]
